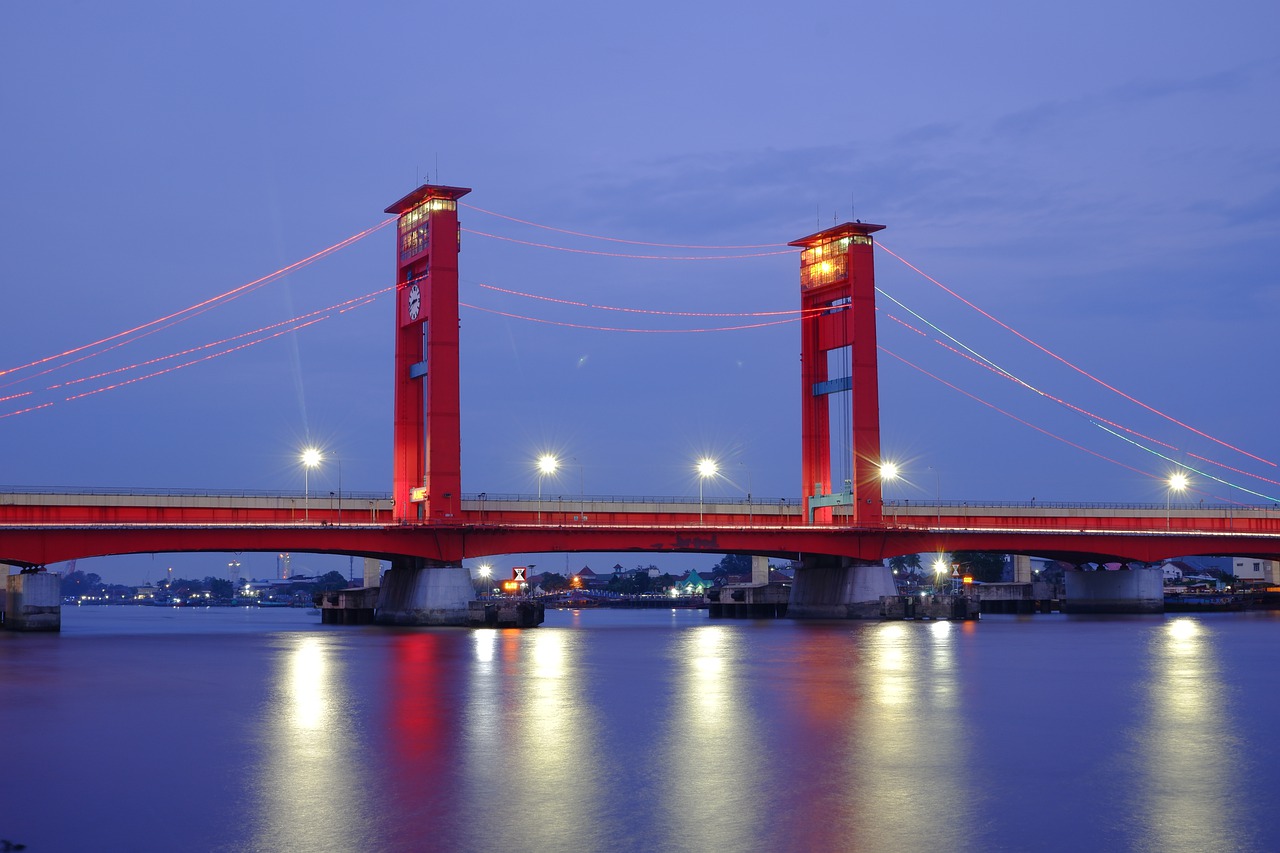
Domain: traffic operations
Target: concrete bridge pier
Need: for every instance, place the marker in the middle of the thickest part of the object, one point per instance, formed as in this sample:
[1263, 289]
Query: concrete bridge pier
[33, 601]
[839, 588]
[422, 592]
[1129, 590]
[1021, 568]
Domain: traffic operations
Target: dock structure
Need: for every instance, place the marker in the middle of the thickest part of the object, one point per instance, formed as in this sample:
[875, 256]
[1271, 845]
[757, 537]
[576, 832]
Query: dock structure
[942, 606]
[749, 601]
[1030, 597]
[347, 606]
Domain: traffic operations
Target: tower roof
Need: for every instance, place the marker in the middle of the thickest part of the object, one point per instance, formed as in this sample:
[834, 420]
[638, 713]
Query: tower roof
[425, 192]
[846, 229]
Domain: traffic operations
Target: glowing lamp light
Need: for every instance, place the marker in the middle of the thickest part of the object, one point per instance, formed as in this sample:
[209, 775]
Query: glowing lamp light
[1178, 481]
[888, 471]
[311, 457]
[706, 467]
[547, 464]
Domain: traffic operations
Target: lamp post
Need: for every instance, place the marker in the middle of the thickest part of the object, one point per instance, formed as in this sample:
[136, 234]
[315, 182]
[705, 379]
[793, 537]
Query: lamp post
[1178, 482]
[707, 467]
[582, 490]
[484, 570]
[939, 569]
[889, 473]
[751, 512]
[311, 457]
[547, 464]
[937, 481]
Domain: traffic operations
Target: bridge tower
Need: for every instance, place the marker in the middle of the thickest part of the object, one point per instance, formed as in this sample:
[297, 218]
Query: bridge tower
[838, 372]
[427, 480]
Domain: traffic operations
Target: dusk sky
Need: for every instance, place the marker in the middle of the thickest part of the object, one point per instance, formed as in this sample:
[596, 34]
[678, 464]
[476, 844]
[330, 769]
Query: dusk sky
[1102, 178]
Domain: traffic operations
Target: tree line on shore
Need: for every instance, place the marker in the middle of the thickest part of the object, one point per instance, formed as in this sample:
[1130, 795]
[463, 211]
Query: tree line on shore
[79, 584]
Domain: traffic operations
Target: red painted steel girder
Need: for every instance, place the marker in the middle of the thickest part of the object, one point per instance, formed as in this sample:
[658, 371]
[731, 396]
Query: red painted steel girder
[46, 544]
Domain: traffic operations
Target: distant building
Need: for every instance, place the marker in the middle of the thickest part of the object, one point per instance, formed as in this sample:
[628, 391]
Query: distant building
[1251, 569]
[692, 584]
[585, 578]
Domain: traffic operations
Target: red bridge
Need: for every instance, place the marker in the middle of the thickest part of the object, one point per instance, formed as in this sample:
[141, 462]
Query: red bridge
[43, 528]
[427, 522]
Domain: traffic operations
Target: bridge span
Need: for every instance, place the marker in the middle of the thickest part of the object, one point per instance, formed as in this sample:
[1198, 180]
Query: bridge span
[40, 528]
[427, 526]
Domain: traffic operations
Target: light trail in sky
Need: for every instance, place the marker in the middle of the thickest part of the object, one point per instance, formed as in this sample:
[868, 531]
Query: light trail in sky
[200, 307]
[1069, 364]
[340, 307]
[1183, 465]
[206, 357]
[619, 329]
[967, 352]
[631, 257]
[1012, 416]
[1095, 419]
[1070, 443]
[25, 411]
[792, 313]
[264, 333]
[614, 239]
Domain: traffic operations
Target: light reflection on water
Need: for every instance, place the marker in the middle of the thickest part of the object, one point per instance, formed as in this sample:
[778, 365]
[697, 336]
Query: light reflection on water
[640, 731]
[1187, 802]
[714, 794]
[877, 709]
[303, 759]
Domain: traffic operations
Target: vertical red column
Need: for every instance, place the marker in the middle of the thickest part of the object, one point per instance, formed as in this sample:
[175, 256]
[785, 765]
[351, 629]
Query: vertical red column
[427, 444]
[837, 296]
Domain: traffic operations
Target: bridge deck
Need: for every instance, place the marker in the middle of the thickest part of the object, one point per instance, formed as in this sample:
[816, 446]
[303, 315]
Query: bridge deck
[38, 528]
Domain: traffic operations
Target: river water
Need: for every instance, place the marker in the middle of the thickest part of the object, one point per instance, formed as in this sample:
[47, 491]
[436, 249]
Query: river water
[141, 729]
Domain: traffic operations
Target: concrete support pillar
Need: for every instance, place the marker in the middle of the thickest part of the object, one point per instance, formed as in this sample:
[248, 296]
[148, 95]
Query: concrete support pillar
[1125, 591]
[33, 602]
[839, 588]
[413, 592]
[759, 569]
[1021, 568]
[372, 572]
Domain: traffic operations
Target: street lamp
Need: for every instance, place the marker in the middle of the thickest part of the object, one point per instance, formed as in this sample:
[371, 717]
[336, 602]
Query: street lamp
[484, 570]
[311, 457]
[888, 473]
[937, 480]
[707, 467]
[751, 513]
[582, 488]
[1178, 482]
[939, 569]
[547, 464]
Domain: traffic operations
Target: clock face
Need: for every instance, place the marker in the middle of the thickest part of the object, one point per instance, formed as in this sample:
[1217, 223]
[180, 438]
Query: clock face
[415, 301]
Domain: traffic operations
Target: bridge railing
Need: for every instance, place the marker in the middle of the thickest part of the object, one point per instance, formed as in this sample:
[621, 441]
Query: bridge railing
[565, 497]
[135, 491]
